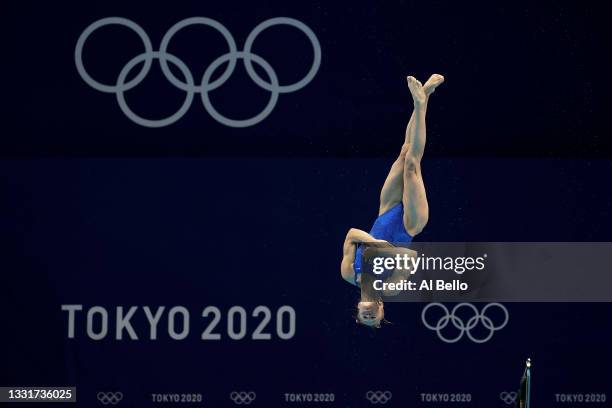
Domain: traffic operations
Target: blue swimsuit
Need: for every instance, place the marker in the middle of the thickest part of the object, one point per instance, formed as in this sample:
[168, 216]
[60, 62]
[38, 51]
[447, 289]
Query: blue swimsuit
[389, 226]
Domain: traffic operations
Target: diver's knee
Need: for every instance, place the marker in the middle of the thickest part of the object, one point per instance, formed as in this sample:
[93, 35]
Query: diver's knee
[415, 230]
[411, 166]
[415, 227]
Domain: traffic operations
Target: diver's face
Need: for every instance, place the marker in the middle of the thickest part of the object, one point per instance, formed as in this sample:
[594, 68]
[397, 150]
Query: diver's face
[368, 313]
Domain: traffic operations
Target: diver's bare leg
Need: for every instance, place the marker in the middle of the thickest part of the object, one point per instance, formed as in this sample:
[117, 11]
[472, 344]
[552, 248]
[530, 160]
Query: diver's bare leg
[416, 209]
[429, 87]
[392, 192]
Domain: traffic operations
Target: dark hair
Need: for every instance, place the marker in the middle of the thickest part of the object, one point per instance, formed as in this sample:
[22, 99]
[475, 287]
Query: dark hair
[367, 288]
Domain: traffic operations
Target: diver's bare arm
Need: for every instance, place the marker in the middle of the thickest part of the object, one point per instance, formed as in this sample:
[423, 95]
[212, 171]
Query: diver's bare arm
[353, 238]
[356, 236]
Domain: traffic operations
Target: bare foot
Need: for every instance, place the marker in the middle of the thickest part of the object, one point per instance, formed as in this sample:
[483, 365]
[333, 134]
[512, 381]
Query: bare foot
[416, 89]
[432, 83]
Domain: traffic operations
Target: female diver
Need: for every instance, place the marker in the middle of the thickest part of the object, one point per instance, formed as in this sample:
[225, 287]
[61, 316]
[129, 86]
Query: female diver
[403, 211]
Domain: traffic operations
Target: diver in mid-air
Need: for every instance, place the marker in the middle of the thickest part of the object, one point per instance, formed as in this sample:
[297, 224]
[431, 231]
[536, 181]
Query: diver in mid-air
[403, 211]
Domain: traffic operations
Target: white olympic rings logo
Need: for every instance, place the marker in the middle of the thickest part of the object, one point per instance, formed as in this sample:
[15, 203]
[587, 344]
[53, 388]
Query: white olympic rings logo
[378, 397]
[463, 327]
[110, 397]
[508, 397]
[242, 397]
[188, 85]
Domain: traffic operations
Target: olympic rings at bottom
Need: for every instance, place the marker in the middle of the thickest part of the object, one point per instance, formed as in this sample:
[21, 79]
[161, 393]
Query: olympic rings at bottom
[508, 397]
[242, 397]
[112, 398]
[378, 397]
[465, 328]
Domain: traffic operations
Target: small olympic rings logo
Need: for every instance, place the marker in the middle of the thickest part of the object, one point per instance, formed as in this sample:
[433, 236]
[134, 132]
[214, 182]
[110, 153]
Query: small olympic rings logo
[112, 398]
[242, 397]
[508, 398]
[188, 83]
[378, 397]
[465, 327]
